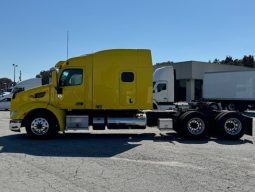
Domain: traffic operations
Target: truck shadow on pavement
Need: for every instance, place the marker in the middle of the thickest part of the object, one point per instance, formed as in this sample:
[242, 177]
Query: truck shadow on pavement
[175, 138]
[92, 145]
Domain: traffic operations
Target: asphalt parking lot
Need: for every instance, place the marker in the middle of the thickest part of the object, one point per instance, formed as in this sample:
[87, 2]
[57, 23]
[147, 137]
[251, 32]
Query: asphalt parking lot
[123, 162]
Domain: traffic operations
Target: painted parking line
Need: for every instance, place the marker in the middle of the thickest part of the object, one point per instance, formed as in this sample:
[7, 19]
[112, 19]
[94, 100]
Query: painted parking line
[164, 163]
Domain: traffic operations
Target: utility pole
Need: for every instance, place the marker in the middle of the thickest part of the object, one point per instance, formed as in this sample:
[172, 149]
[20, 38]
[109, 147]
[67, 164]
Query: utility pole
[14, 70]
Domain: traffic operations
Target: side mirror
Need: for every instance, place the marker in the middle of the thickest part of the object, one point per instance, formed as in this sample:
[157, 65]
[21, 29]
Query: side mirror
[153, 91]
[55, 82]
[54, 79]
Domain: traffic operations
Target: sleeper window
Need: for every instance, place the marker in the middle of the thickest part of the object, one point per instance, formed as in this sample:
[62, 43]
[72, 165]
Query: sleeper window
[127, 77]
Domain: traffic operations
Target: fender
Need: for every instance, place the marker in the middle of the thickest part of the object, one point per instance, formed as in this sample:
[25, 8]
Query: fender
[25, 109]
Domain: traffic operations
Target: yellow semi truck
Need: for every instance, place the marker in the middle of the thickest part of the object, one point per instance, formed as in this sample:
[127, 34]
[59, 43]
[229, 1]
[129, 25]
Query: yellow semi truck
[112, 89]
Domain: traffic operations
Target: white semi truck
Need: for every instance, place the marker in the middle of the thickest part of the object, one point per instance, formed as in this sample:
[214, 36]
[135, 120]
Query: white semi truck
[163, 88]
[232, 90]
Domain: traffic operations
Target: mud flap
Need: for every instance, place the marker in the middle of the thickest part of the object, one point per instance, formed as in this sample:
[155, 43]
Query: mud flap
[249, 125]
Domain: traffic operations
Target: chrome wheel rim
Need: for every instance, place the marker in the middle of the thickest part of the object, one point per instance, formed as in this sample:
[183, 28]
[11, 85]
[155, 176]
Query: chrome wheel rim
[196, 126]
[233, 126]
[40, 126]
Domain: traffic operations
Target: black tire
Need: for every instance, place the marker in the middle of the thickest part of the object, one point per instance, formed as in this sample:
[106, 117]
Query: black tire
[41, 125]
[193, 124]
[215, 127]
[217, 117]
[177, 123]
[230, 125]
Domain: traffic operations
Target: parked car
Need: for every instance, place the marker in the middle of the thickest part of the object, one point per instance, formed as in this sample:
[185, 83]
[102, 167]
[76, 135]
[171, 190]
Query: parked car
[4, 93]
[5, 104]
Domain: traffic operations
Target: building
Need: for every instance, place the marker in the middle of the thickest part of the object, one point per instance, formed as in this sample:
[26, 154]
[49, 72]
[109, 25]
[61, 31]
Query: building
[189, 77]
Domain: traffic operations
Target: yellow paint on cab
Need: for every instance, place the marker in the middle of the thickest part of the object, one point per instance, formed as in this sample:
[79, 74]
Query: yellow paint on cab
[102, 86]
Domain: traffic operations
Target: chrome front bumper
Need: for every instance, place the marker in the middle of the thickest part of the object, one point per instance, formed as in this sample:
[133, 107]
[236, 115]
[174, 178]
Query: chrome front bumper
[15, 125]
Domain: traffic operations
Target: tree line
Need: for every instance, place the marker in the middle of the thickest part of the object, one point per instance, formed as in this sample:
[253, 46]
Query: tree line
[246, 61]
[5, 83]
[45, 75]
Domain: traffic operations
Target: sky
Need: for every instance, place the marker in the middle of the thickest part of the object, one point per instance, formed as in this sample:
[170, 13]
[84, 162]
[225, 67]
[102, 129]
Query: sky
[33, 33]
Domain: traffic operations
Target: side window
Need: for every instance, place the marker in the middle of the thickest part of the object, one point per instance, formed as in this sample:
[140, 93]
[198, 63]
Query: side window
[127, 77]
[71, 77]
[161, 87]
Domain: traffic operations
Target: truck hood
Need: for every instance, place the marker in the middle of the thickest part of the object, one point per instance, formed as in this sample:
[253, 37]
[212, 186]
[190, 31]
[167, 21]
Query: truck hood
[38, 94]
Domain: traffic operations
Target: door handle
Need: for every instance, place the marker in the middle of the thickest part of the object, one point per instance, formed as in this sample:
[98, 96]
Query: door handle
[79, 103]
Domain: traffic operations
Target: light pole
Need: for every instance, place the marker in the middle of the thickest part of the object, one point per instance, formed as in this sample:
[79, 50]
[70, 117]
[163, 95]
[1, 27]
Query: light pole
[14, 68]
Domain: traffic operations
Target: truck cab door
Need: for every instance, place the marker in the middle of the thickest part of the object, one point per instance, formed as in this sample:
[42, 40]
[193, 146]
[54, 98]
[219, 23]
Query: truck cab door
[160, 92]
[72, 89]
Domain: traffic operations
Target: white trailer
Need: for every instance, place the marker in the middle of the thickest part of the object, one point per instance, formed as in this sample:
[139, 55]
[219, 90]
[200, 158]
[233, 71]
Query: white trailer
[234, 90]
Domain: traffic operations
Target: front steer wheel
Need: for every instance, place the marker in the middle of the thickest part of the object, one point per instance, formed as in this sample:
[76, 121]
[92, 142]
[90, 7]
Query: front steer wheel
[41, 125]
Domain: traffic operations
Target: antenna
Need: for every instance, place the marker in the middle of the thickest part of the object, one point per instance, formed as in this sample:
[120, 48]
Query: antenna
[67, 44]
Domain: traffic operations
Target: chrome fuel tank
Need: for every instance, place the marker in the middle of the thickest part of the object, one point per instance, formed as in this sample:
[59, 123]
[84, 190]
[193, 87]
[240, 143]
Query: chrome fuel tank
[138, 122]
